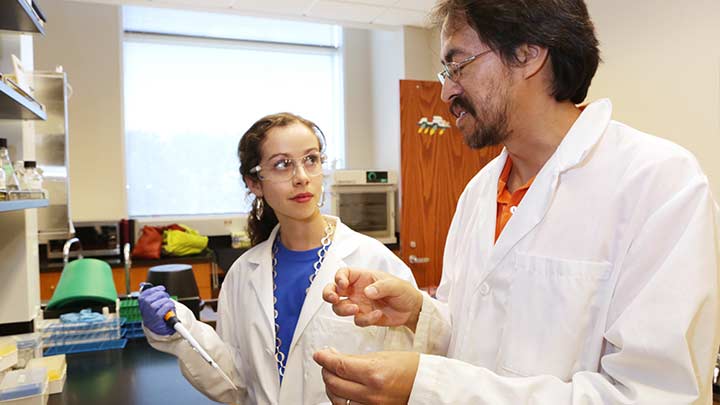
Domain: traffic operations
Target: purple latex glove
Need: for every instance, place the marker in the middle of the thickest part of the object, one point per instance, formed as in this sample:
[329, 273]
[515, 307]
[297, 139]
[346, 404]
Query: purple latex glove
[154, 303]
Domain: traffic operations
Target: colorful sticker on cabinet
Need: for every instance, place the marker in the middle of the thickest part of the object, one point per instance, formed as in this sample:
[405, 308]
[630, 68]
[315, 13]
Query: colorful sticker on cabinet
[437, 125]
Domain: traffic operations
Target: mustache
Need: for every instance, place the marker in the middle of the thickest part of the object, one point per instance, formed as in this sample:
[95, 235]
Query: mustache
[463, 103]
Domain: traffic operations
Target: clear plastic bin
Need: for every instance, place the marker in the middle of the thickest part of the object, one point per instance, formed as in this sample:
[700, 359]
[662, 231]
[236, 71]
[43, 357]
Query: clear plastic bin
[8, 353]
[25, 387]
[57, 333]
[29, 346]
[56, 367]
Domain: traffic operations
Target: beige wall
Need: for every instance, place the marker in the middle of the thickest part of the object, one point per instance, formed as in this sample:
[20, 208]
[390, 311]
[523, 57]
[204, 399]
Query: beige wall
[407, 53]
[662, 71]
[357, 76]
[85, 39]
[421, 54]
[388, 68]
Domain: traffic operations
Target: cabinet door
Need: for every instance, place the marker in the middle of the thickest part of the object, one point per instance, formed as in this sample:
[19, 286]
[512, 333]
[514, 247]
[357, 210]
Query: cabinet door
[202, 272]
[435, 167]
[48, 282]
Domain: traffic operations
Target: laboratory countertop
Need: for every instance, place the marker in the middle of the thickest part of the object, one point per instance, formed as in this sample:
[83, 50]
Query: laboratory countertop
[135, 375]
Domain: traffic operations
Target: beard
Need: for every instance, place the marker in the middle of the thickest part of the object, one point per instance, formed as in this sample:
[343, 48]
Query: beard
[490, 119]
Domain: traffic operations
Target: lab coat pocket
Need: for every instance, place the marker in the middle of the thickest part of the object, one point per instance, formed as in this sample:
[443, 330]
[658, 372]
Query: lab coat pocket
[553, 309]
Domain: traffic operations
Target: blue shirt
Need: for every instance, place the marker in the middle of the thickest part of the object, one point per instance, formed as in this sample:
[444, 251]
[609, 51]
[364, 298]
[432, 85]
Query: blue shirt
[294, 269]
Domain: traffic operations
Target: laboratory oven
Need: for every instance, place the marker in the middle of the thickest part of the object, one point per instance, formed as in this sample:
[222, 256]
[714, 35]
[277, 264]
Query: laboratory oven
[365, 201]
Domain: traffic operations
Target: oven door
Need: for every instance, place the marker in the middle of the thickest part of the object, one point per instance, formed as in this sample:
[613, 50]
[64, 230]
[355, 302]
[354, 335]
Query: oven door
[368, 209]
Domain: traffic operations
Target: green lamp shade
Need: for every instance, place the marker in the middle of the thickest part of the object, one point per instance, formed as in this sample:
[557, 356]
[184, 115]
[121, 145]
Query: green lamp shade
[86, 281]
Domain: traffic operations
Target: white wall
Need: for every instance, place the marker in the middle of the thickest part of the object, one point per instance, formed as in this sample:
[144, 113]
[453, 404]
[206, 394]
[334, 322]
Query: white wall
[662, 71]
[85, 39]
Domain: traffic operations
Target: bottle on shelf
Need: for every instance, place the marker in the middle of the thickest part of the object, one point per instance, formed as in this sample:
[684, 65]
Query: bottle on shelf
[3, 187]
[31, 176]
[11, 181]
[19, 168]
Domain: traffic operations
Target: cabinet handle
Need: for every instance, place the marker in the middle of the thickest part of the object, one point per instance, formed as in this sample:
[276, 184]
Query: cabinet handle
[415, 260]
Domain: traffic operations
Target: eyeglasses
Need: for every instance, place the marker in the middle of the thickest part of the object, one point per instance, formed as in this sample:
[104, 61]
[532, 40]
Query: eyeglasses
[284, 169]
[451, 70]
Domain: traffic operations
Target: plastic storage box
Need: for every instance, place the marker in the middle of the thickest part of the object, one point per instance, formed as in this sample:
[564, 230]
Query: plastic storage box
[8, 353]
[24, 387]
[56, 367]
[29, 346]
[129, 310]
[57, 333]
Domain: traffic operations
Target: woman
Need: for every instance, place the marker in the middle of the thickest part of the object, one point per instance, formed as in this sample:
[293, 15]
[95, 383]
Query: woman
[271, 316]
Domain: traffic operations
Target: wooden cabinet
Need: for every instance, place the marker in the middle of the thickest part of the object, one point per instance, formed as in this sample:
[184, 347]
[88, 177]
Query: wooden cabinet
[138, 274]
[48, 283]
[436, 166]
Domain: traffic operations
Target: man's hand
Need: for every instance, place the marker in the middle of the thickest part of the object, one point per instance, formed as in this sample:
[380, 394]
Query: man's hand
[374, 298]
[375, 378]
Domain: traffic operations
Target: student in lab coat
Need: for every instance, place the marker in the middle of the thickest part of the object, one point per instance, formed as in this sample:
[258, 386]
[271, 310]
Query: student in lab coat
[271, 316]
[581, 266]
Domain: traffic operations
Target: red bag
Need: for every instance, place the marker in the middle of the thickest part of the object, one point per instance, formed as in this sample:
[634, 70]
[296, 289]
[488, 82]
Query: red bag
[149, 245]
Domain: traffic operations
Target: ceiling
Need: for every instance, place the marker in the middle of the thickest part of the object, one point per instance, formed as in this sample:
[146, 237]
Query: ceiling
[379, 13]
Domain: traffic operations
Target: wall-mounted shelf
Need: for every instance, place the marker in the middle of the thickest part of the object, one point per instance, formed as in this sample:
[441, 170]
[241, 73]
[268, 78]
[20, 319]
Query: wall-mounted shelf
[14, 106]
[15, 205]
[18, 15]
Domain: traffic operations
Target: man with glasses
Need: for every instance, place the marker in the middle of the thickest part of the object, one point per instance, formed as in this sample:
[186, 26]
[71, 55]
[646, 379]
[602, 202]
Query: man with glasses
[581, 266]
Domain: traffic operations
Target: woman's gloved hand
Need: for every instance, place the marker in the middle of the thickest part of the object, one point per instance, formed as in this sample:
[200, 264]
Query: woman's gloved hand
[154, 303]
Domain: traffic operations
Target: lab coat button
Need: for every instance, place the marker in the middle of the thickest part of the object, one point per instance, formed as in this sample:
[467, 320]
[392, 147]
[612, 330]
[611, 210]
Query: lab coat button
[513, 209]
[484, 289]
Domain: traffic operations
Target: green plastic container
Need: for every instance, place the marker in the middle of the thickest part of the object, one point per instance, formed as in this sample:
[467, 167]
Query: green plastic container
[84, 280]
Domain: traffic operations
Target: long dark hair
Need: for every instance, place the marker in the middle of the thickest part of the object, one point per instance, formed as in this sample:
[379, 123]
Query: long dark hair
[562, 26]
[250, 153]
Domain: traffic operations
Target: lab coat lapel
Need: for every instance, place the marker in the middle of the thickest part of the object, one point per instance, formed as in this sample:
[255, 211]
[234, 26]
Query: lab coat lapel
[574, 148]
[261, 282]
[314, 301]
[530, 212]
[343, 245]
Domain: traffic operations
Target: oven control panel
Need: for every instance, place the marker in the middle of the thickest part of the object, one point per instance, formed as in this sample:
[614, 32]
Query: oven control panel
[352, 177]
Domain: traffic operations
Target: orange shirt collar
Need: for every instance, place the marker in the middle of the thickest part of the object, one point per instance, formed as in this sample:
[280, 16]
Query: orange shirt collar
[504, 175]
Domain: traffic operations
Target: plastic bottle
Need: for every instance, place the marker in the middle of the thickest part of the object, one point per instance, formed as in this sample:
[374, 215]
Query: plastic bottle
[19, 168]
[3, 188]
[32, 177]
[11, 181]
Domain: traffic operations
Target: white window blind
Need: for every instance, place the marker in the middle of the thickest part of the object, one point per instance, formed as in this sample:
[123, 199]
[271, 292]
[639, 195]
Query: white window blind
[189, 99]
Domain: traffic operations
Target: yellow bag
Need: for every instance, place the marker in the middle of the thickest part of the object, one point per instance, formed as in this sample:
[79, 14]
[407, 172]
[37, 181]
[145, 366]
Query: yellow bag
[183, 243]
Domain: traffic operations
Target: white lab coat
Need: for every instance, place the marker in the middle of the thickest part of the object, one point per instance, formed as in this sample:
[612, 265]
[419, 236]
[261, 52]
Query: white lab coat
[244, 344]
[601, 289]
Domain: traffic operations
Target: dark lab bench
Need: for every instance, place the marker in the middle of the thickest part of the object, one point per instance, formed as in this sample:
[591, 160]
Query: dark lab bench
[135, 375]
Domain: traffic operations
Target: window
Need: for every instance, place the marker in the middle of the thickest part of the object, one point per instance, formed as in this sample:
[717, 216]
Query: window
[194, 82]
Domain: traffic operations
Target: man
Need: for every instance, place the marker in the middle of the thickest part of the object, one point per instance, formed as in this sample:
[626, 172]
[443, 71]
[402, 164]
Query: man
[581, 266]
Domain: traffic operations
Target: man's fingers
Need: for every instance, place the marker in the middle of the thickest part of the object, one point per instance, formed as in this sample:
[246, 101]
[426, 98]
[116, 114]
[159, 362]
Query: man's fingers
[339, 390]
[330, 294]
[342, 278]
[345, 308]
[388, 287]
[347, 367]
[369, 319]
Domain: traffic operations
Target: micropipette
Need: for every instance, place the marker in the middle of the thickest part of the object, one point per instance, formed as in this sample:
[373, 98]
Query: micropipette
[172, 320]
